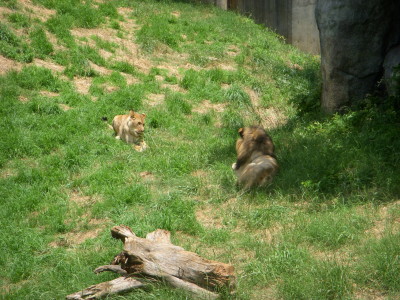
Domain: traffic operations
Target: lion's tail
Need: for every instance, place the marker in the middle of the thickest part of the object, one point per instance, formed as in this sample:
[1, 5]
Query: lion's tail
[105, 119]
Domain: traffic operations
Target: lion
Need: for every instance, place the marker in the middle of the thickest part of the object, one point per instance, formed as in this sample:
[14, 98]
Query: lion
[130, 128]
[256, 161]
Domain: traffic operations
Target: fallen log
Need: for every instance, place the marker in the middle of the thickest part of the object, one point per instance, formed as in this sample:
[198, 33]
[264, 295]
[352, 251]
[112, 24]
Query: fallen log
[155, 258]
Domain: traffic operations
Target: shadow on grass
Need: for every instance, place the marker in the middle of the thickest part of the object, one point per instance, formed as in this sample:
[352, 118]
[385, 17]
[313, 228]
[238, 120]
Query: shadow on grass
[352, 157]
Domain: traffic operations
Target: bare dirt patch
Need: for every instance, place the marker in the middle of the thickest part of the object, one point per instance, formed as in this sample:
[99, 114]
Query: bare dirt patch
[23, 98]
[5, 11]
[222, 65]
[199, 173]
[146, 175]
[75, 238]
[269, 235]
[48, 65]
[79, 199]
[7, 172]
[99, 69]
[369, 294]
[155, 99]
[64, 107]
[9, 65]
[130, 79]
[176, 14]
[191, 243]
[53, 40]
[206, 106]
[271, 117]
[83, 84]
[105, 54]
[208, 218]
[48, 94]
[265, 293]
[386, 219]
[129, 24]
[295, 66]
[110, 88]
[106, 34]
[124, 11]
[37, 11]
[233, 50]
[174, 88]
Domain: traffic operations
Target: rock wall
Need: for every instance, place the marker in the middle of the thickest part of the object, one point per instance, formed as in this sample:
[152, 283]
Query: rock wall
[293, 19]
[304, 32]
[355, 38]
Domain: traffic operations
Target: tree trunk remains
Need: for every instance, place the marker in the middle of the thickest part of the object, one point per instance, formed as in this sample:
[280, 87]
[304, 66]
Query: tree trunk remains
[156, 258]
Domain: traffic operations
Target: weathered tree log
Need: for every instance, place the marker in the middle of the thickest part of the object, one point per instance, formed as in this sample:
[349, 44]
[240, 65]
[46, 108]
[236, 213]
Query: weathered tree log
[116, 286]
[156, 258]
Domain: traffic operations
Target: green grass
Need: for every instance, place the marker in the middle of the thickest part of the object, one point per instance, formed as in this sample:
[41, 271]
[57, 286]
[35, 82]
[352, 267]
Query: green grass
[12, 46]
[20, 20]
[40, 43]
[325, 228]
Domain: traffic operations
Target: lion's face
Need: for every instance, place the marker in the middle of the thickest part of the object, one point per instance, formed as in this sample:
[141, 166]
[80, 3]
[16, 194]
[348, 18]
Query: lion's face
[136, 123]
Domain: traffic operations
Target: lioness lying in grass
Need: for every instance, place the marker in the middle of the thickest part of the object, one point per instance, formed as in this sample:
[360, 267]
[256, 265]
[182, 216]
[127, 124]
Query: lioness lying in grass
[130, 128]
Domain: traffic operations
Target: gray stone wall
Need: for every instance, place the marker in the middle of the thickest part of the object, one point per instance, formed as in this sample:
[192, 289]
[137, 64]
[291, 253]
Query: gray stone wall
[293, 19]
[356, 37]
[304, 33]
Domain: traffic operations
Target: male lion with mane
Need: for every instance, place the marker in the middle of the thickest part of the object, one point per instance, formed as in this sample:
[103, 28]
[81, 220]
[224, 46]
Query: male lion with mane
[256, 162]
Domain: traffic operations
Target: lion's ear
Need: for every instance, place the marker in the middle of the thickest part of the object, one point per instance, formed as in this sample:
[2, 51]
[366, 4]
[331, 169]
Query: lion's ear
[132, 114]
[144, 116]
[241, 131]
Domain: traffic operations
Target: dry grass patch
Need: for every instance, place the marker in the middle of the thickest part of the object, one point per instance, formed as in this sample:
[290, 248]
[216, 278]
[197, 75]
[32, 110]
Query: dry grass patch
[64, 107]
[155, 99]
[81, 200]
[271, 117]
[265, 293]
[344, 256]
[146, 175]
[49, 94]
[129, 24]
[209, 217]
[8, 172]
[369, 294]
[6, 287]
[75, 238]
[194, 244]
[221, 65]
[48, 65]
[23, 99]
[40, 12]
[8, 65]
[82, 84]
[99, 69]
[107, 34]
[176, 14]
[105, 54]
[233, 50]
[387, 219]
[269, 235]
[174, 88]
[206, 106]
[87, 227]
[130, 79]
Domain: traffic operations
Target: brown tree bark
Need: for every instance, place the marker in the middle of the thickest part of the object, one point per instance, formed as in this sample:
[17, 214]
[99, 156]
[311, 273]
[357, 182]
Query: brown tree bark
[156, 258]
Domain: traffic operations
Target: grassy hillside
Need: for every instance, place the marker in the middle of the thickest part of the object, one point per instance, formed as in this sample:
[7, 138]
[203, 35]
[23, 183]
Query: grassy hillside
[326, 228]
